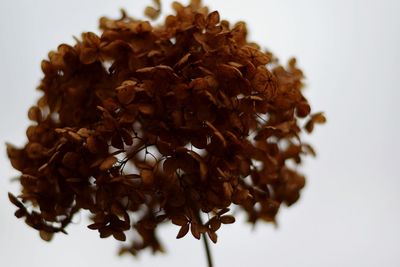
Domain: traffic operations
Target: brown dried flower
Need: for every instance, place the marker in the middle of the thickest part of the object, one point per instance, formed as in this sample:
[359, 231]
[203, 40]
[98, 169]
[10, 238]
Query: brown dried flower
[165, 123]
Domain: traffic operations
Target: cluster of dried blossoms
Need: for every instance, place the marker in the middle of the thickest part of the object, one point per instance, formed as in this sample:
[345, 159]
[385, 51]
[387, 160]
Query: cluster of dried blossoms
[145, 125]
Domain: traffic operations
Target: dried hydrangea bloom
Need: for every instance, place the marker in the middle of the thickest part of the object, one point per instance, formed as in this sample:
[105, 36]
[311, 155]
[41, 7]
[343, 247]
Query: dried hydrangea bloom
[145, 125]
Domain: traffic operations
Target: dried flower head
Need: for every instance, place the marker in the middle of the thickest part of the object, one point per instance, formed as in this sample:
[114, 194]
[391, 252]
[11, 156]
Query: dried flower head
[146, 124]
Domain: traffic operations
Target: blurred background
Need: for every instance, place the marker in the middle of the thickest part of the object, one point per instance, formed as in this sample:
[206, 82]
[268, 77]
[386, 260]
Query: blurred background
[349, 212]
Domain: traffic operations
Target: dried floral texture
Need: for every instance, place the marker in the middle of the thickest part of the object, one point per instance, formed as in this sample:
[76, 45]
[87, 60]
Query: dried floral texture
[144, 125]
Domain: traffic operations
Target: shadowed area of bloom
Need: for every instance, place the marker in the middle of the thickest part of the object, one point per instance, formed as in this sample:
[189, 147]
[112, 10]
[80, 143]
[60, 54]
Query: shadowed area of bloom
[145, 125]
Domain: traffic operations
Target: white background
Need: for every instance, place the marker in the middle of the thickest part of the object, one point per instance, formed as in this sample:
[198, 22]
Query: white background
[349, 213]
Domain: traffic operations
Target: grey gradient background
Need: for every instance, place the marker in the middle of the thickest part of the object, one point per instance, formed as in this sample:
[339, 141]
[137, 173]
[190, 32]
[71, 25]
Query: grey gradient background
[349, 213]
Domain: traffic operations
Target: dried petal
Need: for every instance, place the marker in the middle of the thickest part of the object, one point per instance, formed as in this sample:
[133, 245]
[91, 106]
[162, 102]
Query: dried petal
[147, 176]
[183, 231]
[213, 18]
[108, 163]
[316, 118]
[227, 219]
[213, 236]
[46, 236]
[119, 236]
[179, 220]
[194, 228]
[215, 224]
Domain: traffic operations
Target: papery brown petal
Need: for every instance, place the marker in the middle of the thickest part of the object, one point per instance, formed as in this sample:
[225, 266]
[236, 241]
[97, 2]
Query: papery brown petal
[227, 190]
[195, 4]
[180, 220]
[217, 133]
[194, 228]
[83, 132]
[126, 93]
[76, 137]
[227, 219]
[126, 137]
[35, 114]
[35, 151]
[213, 18]
[213, 236]
[119, 236]
[91, 144]
[88, 55]
[71, 160]
[316, 118]
[303, 109]
[46, 236]
[309, 149]
[110, 104]
[146, 109]
[105, 232]
[183, 231]
[20, 213]
[15, 201]
[215, 224]
[108, 163]
[177, 6]
[95, 226]
[147, 176]
[202, 165]
[319, 118]
[151, 12]
[182, 61]
[223, 211]
[200, 20]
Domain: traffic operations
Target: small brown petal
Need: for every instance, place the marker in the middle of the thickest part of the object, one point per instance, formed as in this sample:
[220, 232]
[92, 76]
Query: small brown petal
[183, 231]
[213, 236]
[227, 219]
[35, 114]
[146, 109]
[119, 236]
[215, 224]
[179, 220]
[303, 109]
[194, 228]
[91, 144]
[108, 163]
[316, 118]
[46, 236]
[126, 137]
[147, 176]
[151, 12]
[126, 92]
[88, 55]
[76, 137]
[15, 201]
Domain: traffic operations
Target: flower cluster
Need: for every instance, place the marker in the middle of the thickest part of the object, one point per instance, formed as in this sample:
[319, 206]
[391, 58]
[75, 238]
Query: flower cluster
[145, 125]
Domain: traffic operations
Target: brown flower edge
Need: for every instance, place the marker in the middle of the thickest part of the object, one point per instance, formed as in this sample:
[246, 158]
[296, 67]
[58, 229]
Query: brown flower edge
[145, 125]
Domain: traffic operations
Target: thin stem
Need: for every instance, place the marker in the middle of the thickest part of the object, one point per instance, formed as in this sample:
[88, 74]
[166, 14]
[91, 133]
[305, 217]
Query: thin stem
[206, 245]
[207, 248]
